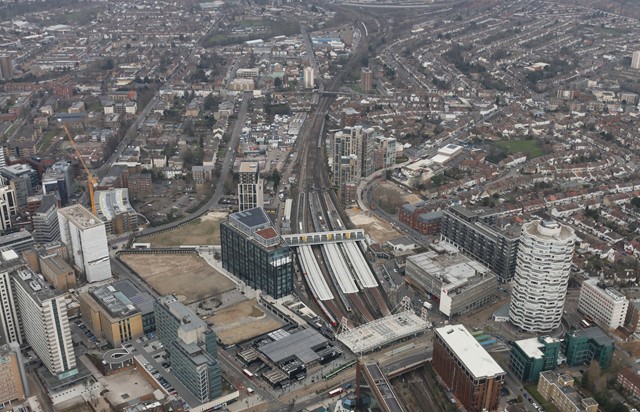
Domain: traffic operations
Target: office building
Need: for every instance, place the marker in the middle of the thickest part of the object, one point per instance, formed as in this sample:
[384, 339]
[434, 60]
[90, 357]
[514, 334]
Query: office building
[542, 275]
[114, 209]
[250, 190]
[18, 241]
[57, 272]
[86, 238]
[482, 236]
[459, 283]
[253, 251]
[582, 346]
[465, 367]
[13, 384]
[8, 206]
[109, 314]
[192, 345]
[43, 317]
[58, 181]
[44, 220]
[635, 60]
[606, 306]
[633, 317]
[24, 180]
[366, 79]
[529, 357]
[309, 78]
[559, 389]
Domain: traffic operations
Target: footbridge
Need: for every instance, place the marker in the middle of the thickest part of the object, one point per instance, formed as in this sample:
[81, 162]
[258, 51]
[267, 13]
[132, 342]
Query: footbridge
[323, 238]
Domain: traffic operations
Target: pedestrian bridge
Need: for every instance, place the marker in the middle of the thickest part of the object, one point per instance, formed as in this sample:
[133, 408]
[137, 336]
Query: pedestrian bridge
[322, 238]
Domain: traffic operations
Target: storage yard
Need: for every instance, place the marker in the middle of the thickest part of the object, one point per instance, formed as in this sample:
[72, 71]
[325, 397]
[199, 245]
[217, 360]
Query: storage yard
[186, 275]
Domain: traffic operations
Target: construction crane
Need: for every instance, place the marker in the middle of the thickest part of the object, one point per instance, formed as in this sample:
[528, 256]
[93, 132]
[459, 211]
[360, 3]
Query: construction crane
[92, 180]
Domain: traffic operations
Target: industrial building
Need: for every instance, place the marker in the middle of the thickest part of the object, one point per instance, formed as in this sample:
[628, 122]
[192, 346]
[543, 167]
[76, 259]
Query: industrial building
[459, 283]
[465, 367]
[13, 379]
[253, 251]
[86, 238]
[531, 356]
[542, 275]
[250, 186]
[606, 306]
[114, 209]
[482, 236]
[559, 389]
[192, 345]
[109, 314]
[586, 345]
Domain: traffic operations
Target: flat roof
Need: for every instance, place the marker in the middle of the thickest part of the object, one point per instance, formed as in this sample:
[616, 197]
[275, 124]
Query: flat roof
[299, 345]
[474, 357]
[80, 216]
[248, 167]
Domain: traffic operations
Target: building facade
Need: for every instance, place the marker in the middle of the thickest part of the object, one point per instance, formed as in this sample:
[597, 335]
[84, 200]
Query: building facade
[606, 306]
[366, 79]
[45, 221]
[308, 77]
[44, 321]
[254, 252]
[529, 357]
[114, 209]
[111, 315]
[559, 389]
[8, 206]
[192, 345]
[477, 236]
[12, 380]
[635, 60]
[542, 275]
[459, 283]
[86, 238]
[585, 345]
[474, 378]
[250, 186]
[629, 379]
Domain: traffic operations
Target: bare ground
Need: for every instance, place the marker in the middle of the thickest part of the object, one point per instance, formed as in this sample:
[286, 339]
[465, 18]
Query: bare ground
[186, 275]
[242, 321]
[379, 230]
[203, 231]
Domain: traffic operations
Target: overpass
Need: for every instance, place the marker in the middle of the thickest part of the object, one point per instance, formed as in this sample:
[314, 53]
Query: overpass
[323, 238]
[381, 388]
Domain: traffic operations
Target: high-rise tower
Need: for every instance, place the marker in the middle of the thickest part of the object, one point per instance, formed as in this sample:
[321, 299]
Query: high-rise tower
[542, 275]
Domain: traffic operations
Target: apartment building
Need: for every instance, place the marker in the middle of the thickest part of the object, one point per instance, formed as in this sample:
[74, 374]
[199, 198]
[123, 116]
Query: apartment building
[13, 384]
[559, 389]
[250, 186]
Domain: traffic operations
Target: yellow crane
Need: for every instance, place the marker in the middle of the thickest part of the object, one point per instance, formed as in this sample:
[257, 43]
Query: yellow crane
[92, 180]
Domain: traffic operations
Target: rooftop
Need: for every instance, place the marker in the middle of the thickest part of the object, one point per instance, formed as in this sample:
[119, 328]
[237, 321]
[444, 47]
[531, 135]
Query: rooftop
[548, 230]
[594, 333]
[473, 356]
[298, 345]
[80, 216]
[248, 167]
[451, 268]
[532, 346]
[112, 202]
[189, 320]
[114, 301]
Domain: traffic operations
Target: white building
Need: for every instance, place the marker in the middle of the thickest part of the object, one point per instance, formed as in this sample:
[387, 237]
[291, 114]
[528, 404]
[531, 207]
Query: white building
[635, 60]
[34, 312]
[8, 206]
[309, 78]
[606, 306]
[250, 190]
[86, 238]
[542, 275]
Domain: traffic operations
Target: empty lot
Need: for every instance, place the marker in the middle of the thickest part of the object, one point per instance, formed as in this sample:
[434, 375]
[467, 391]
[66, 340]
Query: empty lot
[242, 321]
[186, 275]
[202, 231]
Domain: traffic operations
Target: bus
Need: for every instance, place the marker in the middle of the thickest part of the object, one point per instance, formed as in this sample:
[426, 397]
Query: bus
[248, 373]
[585, 324]
[336, 392]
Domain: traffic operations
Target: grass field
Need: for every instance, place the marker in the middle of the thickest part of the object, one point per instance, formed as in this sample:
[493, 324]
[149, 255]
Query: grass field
[187, 276]
[530, 147]
[46, 140]
[203, 231]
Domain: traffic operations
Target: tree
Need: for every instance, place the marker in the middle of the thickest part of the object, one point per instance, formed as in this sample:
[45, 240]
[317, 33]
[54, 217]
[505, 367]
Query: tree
[277, 83]
[275, 176]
